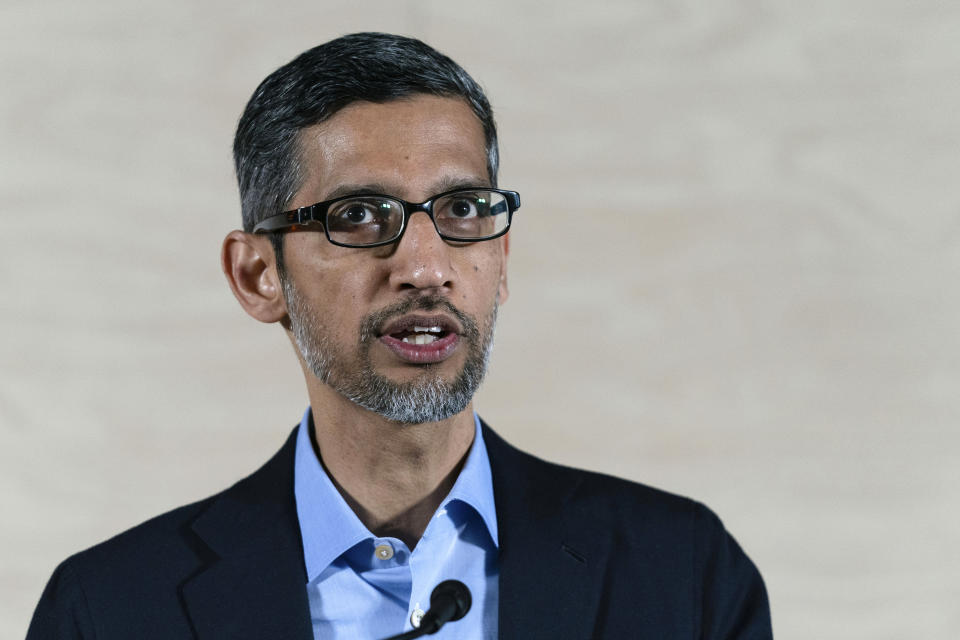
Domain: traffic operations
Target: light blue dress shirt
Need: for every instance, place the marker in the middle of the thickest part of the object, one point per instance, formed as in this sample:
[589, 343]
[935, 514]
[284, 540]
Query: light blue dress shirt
[364, 587]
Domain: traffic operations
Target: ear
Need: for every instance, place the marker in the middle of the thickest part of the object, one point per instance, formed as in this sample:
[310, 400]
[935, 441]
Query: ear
[249, 263]
[504, 292]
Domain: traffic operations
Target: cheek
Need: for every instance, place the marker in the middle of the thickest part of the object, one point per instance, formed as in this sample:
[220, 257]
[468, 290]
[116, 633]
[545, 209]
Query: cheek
[344, 303]
[336, 298]
[355, 287]
[340, 279]
[485, 275]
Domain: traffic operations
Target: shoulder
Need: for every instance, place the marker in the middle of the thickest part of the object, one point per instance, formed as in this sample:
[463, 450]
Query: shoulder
[659, 555]
[637, 523]
[588, 493]
[149, 562]
[164, 536]
[142, 564]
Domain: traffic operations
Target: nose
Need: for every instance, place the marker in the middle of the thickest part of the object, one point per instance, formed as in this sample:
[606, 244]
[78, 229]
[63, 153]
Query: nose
[421, 260]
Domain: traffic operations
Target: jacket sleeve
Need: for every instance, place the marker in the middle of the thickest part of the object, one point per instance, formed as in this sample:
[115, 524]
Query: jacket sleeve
[62, 613]
[733, 598]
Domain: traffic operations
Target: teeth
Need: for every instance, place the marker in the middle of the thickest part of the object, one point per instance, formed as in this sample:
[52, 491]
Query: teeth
[427, 329]
[420, 338]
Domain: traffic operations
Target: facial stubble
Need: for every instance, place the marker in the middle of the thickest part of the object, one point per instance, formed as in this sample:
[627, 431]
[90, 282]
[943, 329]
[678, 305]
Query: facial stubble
[427, 397]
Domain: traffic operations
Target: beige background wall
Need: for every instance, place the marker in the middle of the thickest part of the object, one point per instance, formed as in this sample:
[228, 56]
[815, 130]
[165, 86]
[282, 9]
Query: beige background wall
[734, 276]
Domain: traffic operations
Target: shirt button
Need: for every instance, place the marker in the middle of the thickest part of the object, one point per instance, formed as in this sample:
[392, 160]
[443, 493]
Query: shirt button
[416, 617]
[384, 551]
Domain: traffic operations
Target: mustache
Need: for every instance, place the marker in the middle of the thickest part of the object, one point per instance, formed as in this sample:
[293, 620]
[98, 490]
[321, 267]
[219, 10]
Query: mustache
[370, 327]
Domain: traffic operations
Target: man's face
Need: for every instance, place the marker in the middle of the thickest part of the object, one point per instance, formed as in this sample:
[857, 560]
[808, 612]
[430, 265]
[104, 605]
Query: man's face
[403, 330]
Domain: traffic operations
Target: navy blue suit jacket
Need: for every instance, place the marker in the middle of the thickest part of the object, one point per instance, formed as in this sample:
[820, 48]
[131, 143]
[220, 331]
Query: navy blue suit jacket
[582, 555]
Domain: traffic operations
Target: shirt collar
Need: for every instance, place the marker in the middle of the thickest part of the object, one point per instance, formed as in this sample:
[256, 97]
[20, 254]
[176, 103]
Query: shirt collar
[474, 485]
[329, 527]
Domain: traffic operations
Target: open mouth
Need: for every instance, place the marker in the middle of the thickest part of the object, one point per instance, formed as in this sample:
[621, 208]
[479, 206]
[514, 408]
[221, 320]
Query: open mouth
[421, 339]
[421, 335]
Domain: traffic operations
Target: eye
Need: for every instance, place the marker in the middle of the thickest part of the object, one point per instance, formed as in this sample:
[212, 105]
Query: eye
[361, 212]
[356, 212]
[465, 207]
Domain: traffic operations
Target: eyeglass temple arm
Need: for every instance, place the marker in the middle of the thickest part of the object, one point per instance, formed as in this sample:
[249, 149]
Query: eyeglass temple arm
[511, 202]
[303, 215]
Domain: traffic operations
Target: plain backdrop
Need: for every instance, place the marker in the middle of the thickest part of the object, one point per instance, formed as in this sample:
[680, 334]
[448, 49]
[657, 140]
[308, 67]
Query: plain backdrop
[734, 276]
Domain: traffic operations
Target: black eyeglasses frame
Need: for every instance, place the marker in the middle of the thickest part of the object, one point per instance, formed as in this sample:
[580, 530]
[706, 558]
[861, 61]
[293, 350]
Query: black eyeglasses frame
[317, 213]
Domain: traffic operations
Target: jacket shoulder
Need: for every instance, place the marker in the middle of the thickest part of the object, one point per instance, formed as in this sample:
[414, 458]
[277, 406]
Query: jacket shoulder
[660, 559]
[600, 494]
[147, 563]
[144, 563]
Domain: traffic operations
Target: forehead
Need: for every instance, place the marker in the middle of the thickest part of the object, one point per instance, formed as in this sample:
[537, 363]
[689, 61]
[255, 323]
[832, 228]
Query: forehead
[409, 146]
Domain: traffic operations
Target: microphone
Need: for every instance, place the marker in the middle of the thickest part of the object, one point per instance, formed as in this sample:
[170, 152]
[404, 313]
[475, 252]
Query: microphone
[449, 601]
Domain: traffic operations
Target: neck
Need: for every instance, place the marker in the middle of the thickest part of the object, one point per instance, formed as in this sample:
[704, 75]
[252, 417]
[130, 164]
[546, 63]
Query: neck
[392, 475]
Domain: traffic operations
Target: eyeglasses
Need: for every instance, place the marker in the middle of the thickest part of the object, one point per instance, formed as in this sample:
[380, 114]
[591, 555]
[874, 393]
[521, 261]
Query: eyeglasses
[463, 215]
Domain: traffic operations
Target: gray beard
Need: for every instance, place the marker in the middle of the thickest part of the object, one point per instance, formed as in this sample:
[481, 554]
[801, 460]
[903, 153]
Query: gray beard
[428, 398]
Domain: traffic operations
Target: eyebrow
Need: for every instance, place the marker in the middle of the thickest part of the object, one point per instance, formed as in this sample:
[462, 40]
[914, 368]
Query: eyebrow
[449, 183]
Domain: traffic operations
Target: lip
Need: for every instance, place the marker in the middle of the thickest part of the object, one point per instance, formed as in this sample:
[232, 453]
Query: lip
[437, 351]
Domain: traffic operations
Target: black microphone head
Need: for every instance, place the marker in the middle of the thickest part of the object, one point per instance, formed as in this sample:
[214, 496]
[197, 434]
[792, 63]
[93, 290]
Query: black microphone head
[457, 592]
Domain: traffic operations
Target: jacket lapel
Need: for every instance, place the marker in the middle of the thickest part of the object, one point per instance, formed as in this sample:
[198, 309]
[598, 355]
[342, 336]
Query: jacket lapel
[254, 585]
[551, 568]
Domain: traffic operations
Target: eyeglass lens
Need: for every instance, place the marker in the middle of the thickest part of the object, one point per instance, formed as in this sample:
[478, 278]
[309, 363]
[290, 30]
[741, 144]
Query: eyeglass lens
[463, 215]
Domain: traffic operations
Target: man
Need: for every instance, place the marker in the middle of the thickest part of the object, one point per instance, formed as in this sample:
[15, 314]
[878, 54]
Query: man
[376, 236]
